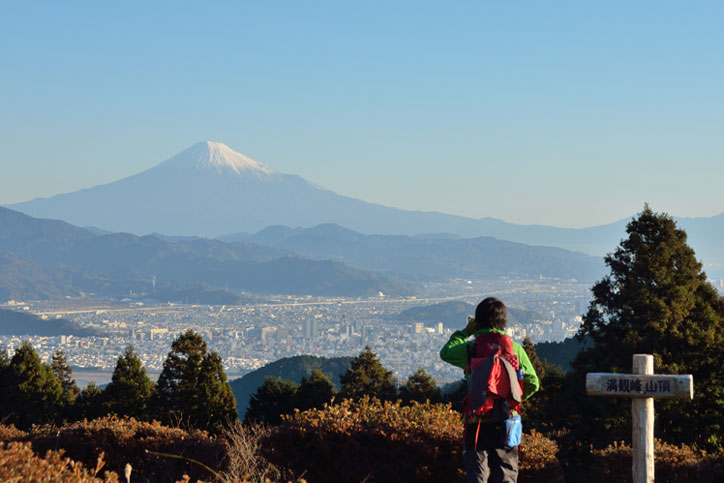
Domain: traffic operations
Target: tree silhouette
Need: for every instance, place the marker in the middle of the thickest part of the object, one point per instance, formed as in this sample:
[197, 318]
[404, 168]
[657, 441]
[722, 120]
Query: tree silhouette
[91, 403]
[34, 393]
[130, 391]
[218, 405]
[272, 399]
[420, 387]
[656, 300]
[367, 376]
[192, 387]
[314, 391]
[534, 359]
[64, 374]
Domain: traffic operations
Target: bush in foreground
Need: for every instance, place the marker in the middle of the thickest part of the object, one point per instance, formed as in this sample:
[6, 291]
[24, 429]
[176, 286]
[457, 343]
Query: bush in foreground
[673, 463]
[19, 463]
[384, 441]
[126, 440]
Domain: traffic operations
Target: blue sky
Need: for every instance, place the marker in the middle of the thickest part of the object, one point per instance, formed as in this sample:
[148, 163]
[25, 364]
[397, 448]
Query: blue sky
[560, 113]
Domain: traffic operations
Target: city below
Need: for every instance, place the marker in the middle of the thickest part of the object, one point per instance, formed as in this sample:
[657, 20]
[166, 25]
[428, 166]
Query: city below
[248, 337]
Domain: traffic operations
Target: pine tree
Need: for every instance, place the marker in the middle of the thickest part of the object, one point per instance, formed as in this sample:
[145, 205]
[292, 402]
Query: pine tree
[656, 300]
[130, 391]
[272, 399]
[192, 387]
[34, 393]
[367, 376]
[420, 387]
[314, 391]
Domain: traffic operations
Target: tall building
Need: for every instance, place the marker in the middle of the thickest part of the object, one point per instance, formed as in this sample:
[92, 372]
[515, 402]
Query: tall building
[311, 329]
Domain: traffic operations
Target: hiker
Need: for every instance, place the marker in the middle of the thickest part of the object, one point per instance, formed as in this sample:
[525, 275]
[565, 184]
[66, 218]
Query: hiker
[500, 376]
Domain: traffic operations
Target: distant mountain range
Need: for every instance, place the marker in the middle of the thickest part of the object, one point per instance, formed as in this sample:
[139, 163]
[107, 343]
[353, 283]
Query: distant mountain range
[430, 255]
[42, 259]
[210, 190]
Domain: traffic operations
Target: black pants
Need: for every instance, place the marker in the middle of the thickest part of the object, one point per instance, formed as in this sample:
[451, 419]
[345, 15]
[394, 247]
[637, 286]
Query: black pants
[489, 460]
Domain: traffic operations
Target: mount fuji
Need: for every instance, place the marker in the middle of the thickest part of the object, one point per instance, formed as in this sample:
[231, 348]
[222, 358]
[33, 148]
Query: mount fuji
[211, 190]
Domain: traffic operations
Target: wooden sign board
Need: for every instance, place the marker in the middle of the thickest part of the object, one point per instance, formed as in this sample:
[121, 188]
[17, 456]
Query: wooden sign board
[639, 385]
[642, 386]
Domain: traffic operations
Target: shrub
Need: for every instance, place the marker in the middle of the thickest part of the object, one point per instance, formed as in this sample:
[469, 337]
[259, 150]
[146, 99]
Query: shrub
[11, 433]
[19, 463]
[538, 459]
[384, 441]
[126, 440]
[672, 463]
[244, 460]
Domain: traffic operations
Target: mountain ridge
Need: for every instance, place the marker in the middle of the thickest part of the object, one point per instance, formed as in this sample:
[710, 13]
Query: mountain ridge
[43, 261]
[177, 199]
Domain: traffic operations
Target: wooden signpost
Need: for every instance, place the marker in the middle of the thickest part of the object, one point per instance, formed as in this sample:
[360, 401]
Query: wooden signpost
[643, 386]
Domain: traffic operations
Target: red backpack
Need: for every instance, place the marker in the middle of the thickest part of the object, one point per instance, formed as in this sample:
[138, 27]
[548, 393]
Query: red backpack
[495, 384]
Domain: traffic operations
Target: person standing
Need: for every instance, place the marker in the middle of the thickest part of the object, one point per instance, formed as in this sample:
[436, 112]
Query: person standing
[486, 456]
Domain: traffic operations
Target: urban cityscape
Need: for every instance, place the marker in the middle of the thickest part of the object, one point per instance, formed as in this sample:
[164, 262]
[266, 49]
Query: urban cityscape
[248, 337]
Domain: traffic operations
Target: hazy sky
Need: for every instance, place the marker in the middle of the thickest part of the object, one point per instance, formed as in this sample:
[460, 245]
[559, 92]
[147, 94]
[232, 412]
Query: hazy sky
[564, 113]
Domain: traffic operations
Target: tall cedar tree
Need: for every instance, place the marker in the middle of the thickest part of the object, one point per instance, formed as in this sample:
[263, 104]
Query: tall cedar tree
[218, 406]
[64, 374]
[367, 376]
[273, 398]
[34, 393]
[420, 387]
[314, 391]
[192, 387]
[656, 300]
[130, 391]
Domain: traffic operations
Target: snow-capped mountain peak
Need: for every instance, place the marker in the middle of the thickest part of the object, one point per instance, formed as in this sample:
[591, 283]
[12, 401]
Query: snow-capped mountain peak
[210, 155]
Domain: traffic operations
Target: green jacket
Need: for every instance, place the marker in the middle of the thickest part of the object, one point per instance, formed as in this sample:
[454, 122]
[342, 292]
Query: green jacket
[455, 352]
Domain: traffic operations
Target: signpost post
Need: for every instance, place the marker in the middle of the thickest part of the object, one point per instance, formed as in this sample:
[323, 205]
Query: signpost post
[643, 386]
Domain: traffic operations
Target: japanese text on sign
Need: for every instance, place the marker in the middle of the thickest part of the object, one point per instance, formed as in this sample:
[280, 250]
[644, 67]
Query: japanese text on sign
[627, 385]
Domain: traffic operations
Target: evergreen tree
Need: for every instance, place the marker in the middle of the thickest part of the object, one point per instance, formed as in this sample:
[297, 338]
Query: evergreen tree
[130, 391]
[4, 359]
[218, 405]
[273, 398]
[90, 402]
[314, 391]
[34, 393]
[533, 356]
[367, 376]
[177, 383]
[192, 387]
[64, 374]
[4, 382]
[420, 387]
[656, 300]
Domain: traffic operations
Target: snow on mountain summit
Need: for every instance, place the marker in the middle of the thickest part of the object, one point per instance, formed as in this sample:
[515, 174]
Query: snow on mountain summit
[209, 155]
